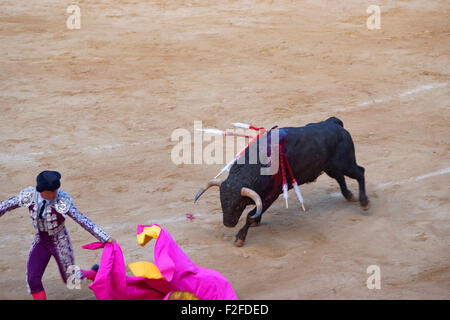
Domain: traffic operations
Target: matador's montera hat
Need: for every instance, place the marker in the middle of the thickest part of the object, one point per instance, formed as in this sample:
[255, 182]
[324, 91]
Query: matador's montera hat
[48, 180]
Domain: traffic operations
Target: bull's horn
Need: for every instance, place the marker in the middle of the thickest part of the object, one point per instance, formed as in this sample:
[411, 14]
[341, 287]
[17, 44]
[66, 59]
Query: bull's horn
[246, 192]
[209, 184]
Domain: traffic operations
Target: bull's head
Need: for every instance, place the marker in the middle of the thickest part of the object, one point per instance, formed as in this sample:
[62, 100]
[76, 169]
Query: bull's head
[233, 199]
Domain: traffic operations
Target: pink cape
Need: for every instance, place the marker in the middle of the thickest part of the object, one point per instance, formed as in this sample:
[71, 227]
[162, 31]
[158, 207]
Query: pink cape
[112, 283]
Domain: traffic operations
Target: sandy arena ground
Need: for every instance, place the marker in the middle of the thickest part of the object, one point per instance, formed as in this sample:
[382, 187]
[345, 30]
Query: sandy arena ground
[99, 104]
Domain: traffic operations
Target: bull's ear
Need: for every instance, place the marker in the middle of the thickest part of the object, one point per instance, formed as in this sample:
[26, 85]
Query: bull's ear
[247, 192]
[209, 184]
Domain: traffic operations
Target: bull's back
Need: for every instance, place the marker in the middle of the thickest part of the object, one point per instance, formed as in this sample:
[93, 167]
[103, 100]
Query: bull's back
[309, 148]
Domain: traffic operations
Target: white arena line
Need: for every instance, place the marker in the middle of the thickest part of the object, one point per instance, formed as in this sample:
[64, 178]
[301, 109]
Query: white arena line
[177, 219]
[416, 90]
[100, 148]
[418, 178]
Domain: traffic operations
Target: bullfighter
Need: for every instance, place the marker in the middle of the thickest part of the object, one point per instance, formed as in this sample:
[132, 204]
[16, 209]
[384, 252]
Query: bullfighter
[49, 207]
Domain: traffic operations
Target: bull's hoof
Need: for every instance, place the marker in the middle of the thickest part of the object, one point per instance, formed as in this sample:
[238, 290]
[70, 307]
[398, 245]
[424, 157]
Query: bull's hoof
[366, 206]
[238, 242]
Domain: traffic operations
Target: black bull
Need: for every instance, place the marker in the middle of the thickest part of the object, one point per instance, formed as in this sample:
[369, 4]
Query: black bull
[310, 150]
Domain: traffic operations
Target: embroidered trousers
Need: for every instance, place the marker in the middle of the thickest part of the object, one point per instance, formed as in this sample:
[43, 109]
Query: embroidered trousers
[42, 249]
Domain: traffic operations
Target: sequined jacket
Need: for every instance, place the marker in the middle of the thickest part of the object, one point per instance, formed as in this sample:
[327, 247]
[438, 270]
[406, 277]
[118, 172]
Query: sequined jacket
[56, 213]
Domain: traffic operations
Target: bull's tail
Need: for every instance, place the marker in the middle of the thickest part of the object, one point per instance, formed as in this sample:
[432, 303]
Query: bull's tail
[336, 120]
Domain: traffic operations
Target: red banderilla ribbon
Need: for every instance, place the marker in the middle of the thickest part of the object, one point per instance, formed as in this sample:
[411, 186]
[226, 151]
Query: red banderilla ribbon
[294, 182]
[285, 186]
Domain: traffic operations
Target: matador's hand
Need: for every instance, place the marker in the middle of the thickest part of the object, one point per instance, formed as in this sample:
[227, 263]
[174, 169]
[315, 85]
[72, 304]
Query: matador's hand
[111, 240]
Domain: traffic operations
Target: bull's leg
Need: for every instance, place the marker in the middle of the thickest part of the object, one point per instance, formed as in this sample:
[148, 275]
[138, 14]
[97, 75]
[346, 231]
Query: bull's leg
[242, 233]
[341, 180]
[357, 172]
[255, 222]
